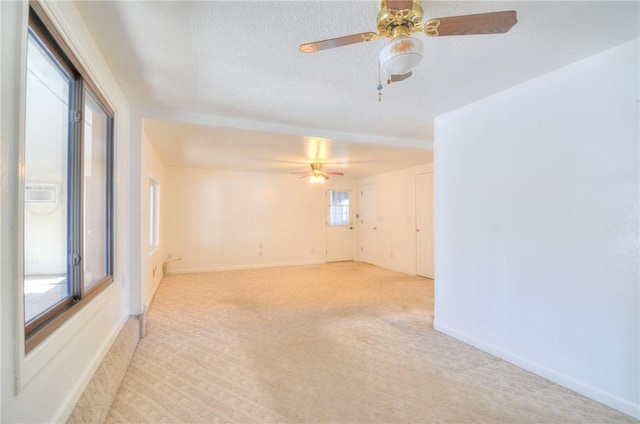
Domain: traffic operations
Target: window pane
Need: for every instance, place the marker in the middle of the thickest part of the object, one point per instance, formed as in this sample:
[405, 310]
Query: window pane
[154, 213]
[46, 183]
[95, 192]
[339, 208]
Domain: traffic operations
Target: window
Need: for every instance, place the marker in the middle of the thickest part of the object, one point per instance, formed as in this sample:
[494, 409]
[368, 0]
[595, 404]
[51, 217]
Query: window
[68, 172]
[154, 213]
[339, 208]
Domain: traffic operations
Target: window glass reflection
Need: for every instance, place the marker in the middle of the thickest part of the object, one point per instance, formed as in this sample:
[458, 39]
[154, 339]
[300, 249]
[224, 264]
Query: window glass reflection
[46, 187]
[95, 188]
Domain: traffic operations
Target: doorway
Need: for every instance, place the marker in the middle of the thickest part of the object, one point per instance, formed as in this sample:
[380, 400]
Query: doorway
[339, 228]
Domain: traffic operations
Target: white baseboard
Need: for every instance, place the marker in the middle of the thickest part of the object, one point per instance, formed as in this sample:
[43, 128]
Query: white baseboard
[584, 389]
[248, 266]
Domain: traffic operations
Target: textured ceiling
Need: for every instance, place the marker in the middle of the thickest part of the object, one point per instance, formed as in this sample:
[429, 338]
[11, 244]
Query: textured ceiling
[237, 149]
[235, 66]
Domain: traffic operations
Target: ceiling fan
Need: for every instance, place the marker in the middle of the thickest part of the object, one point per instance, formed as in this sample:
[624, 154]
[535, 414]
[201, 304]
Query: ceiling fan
[399, 19]
[317, 174]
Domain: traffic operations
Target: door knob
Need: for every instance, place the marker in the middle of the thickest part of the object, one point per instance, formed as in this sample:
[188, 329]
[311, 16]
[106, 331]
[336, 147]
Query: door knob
[417, 230]
[375, 228]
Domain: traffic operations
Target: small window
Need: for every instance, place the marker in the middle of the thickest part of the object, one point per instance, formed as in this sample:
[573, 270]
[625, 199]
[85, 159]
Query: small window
[41, 193]
[339, 208]
[154, 213]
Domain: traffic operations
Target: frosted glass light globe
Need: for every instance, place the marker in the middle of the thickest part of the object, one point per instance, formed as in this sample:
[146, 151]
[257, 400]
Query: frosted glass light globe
[401, 55]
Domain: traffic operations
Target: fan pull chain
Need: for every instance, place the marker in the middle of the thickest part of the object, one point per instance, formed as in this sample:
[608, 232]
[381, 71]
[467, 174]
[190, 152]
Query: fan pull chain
[379, 87]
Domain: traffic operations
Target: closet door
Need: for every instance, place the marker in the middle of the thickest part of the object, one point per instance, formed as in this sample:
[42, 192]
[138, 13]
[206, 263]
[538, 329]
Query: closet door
[368, 220]
[424, 225]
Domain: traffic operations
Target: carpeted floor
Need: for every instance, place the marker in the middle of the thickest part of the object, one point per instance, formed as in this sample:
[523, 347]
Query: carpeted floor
[340, 343]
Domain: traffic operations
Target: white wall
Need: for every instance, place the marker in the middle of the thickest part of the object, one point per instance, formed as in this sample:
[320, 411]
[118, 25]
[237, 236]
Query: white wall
[536, 196]
[44, 385]
[224, 220]
[153, 257]
[395, 220]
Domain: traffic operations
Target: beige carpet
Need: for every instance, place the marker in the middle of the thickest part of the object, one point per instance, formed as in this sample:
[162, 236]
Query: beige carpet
[339, 343]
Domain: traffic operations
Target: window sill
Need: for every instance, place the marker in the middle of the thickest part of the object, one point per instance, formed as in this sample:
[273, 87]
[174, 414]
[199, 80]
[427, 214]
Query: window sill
[37, 358]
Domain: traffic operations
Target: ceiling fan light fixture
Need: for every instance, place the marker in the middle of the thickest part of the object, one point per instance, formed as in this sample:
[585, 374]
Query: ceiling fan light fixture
[401, 55]
[317, 179]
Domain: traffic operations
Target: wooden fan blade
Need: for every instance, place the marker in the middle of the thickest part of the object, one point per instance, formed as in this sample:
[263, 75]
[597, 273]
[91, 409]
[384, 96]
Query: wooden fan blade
[334, 173]
[398, 78]
[399, 4]
[483, 23]
[338, 42]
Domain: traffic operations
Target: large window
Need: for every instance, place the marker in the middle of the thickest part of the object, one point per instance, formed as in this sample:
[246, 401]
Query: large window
[68, 174]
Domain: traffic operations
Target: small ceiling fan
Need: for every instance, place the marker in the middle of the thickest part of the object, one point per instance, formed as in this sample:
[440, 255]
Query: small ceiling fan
[399, 19]
[317, 174]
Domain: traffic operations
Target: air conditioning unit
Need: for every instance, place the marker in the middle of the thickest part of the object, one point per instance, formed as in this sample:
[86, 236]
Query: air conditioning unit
[41, 193]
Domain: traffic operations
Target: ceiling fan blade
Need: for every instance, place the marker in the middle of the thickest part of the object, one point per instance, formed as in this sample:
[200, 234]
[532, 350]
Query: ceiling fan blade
[299, 173]
[398, 78]
[334, 173]
[399, 4]
[338, 42]
[483, 23]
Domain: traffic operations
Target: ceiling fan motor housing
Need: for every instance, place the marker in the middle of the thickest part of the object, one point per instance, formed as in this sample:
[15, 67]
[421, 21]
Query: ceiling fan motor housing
[401, 55]
[407, 20]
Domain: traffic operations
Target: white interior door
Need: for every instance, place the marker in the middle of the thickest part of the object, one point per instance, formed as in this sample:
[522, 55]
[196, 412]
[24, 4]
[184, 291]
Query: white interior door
[339, 230]
[368, 220]
[424, 225]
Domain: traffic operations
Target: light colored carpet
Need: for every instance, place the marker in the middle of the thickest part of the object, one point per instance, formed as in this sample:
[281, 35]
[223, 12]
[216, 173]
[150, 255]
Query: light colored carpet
[340, 343]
